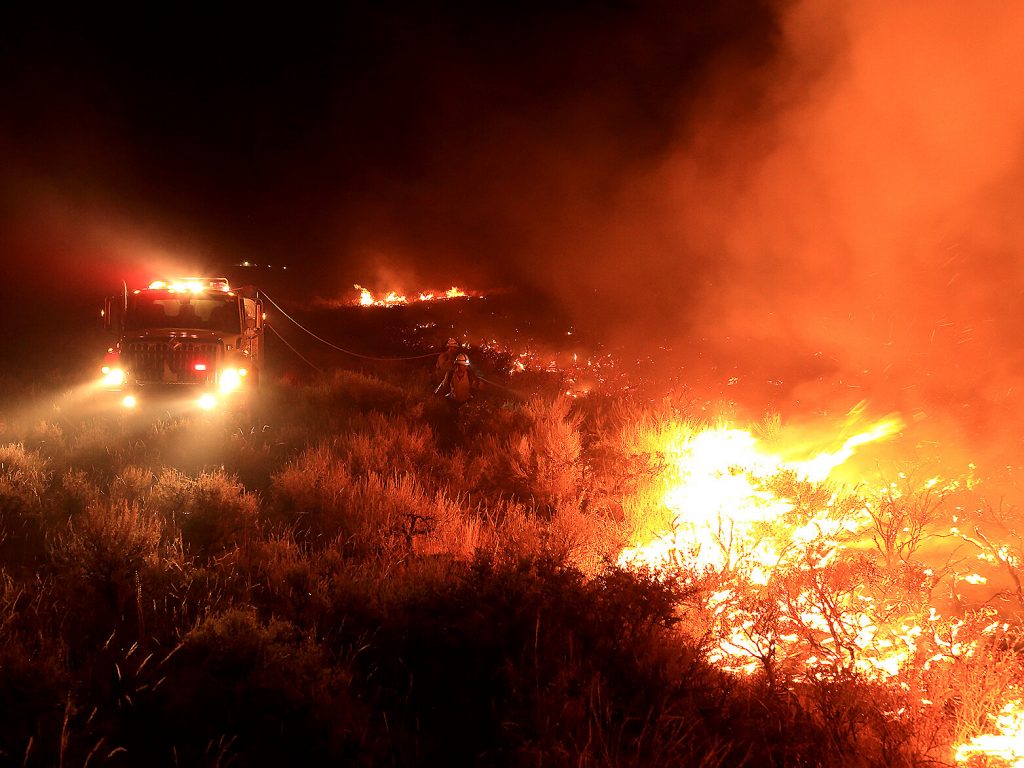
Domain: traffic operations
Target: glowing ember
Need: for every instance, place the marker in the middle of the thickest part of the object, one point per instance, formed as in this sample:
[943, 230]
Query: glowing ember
[1006, 746]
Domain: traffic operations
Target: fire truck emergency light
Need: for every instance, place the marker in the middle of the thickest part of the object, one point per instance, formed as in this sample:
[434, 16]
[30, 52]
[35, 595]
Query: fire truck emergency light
[191, 284]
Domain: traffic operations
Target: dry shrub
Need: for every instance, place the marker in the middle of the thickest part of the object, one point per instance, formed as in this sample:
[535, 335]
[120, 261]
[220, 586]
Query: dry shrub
[132, 484]
[311, 494]
[348, 391]
[544, 465]
[108, 541]
[392, 512]
[584, 539]
[75, 494]
[318, 497]
[264, 688]
[95, 445]
[496, 657]
[463, 473]
[105, 550]
[46, 435]
[24, 478]
[381, 445]
[255, 452]
[33, 678]
[517, 534]
[453, 531]
[213, 511]
[285, 581]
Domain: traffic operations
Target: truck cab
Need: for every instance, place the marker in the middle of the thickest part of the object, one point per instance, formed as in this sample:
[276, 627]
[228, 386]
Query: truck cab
[194, 339]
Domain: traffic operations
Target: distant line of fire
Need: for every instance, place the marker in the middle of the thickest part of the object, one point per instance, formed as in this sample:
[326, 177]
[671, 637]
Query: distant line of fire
[395, 298]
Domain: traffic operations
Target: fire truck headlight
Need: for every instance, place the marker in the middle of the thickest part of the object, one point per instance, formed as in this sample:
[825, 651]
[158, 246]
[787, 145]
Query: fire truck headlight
[230, 379]
[129, 401]
[112, 377]
[207, 402]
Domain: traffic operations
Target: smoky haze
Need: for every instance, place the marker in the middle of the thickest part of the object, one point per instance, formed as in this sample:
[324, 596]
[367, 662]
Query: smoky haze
[863, 226]
[832, 223]
[798, 198]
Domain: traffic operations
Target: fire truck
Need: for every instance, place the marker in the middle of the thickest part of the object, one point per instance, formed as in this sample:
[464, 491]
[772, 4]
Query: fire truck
[194, 340]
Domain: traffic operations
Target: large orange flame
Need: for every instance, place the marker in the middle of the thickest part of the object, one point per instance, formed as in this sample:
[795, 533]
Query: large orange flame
[717, 486]
[804, 581]
[1006, 745]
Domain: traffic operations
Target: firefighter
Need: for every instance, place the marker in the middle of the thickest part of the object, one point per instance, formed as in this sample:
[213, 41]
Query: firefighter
[458, 388]
[446, 360]
[460, 383]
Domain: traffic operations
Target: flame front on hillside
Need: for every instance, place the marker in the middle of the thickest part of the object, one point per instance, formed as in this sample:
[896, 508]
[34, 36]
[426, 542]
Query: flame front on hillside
[368, 298]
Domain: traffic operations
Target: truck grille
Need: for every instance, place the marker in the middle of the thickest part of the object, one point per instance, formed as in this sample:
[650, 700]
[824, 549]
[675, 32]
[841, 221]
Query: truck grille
[170, 362]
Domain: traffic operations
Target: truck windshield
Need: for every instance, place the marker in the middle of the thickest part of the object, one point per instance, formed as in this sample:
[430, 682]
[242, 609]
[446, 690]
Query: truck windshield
[208, 313]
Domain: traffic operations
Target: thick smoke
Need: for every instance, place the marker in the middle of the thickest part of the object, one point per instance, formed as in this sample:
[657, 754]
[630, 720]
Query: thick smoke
[836, 223]
[876, 229]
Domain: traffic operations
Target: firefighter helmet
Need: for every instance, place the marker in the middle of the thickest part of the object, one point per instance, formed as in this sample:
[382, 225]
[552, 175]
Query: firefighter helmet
[452, 343]
[462, 359]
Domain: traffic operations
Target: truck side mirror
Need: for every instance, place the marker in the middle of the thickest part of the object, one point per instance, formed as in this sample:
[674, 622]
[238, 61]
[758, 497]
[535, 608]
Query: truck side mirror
[253, 314]
[113, 314]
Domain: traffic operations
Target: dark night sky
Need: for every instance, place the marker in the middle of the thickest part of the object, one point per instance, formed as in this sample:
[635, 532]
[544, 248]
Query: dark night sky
[441, 141]
[813, 188]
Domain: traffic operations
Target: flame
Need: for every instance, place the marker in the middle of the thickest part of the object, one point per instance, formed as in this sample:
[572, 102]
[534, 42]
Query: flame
[717, 484]
[819, 468]
[396, 298]
[796, 582]
[367, 299]
[1007, 745]
[736, 517]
